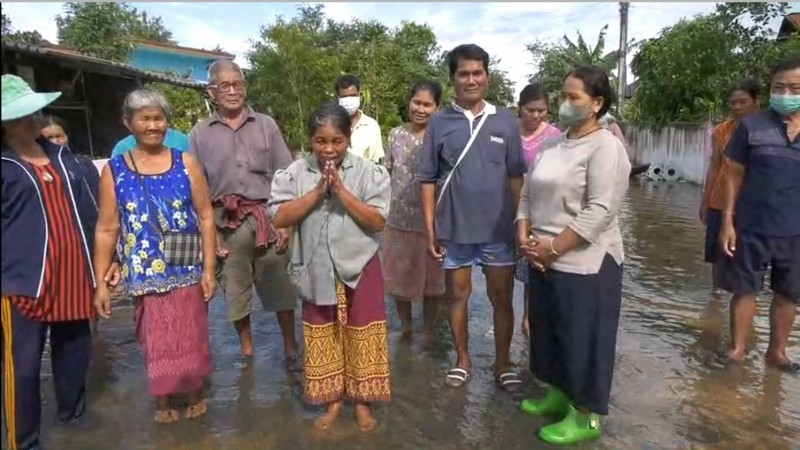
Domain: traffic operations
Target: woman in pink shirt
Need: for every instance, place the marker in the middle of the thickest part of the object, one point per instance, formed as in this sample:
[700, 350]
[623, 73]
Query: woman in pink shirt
[535, 130]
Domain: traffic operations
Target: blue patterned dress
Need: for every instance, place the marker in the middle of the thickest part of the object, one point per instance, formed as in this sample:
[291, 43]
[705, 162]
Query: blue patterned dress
[141, 246]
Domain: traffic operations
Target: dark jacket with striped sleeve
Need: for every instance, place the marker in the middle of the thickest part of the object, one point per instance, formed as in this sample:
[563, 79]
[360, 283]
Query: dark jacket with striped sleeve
[24, 224]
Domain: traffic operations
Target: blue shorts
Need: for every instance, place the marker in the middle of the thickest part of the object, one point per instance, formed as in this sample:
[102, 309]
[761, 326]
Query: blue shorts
[468, 255]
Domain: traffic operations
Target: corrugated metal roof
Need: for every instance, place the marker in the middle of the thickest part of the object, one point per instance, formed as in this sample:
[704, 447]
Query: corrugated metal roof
[57, 52]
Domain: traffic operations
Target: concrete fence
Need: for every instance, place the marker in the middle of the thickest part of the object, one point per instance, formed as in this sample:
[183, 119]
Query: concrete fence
[685, 147]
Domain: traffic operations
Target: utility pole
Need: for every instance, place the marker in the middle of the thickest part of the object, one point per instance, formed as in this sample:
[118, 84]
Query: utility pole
[622, 68]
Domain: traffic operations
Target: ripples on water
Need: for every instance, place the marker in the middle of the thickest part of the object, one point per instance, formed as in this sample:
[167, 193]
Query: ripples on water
[670, 391]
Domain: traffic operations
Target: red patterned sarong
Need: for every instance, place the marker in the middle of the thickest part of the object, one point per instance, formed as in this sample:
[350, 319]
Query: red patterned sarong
[347, 345]
[172, 329]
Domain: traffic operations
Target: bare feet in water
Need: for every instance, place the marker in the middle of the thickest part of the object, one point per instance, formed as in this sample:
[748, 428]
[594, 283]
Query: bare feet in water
[736, 356]
[166, 416]
[325, 421]
[197, 410]
[366, 422]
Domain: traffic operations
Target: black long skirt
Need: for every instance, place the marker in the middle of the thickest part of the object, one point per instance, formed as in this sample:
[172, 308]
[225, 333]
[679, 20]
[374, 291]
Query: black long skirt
[574, 332]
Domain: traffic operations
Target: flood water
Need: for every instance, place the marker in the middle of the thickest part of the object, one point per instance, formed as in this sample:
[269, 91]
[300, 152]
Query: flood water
[670, 391]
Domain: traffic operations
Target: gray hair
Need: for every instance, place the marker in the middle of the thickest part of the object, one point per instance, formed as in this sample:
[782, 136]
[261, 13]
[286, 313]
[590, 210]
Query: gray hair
[144, 98]
[222, 64]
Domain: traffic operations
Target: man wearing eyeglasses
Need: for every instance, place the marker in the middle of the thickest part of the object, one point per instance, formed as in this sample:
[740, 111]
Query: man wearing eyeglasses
[240, 150]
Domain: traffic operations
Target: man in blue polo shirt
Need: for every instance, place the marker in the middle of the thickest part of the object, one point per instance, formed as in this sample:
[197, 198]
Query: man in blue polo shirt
[173, 139]
[764, 193]
[472, 154]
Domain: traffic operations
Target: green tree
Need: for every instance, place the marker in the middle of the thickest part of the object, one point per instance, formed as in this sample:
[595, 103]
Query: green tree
[107, 30]
[685, 72]
[19, 37]
[388, 61]
[291, 71]
[188, 105]
[501, 88]
[7, 28]
[554, 60]
[295, 63]
[148, 28]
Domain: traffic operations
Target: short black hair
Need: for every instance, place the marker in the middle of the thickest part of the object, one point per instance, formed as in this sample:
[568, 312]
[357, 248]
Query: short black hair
[331, 113]
[346, 81]
[596, 84]
[53, 120]
[787, 64]
[432, 86]
[532, 93]
[469, 52]
[750, 86]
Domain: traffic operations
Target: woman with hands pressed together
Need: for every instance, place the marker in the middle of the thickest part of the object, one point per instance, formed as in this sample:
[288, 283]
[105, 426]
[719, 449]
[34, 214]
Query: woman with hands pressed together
[337, 203]
[567, 229]
[154, 201]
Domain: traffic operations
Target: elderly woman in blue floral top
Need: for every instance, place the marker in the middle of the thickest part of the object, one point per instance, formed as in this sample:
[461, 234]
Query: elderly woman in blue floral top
[156, 199]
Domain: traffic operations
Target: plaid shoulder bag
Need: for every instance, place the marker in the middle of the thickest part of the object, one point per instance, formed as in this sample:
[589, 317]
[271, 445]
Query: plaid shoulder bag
[180, 248]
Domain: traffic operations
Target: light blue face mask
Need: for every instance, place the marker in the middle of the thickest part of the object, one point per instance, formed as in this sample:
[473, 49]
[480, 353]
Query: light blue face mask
[569, 114]
[785, 103]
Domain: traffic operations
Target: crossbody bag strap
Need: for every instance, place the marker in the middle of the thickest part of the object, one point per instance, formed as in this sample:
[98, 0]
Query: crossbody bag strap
[461, 157]
[146, 192]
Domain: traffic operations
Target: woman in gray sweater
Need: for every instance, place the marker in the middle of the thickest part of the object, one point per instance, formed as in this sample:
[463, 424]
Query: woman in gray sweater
[567, 228]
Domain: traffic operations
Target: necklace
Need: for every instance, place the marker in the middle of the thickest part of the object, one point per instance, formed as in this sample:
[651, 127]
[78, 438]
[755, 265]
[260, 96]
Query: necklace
[588, 133]
[46, 176]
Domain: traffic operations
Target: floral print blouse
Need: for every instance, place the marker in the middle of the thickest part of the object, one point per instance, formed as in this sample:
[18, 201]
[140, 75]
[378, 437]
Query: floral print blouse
[532, 144]
[402, 159]
[141, 245]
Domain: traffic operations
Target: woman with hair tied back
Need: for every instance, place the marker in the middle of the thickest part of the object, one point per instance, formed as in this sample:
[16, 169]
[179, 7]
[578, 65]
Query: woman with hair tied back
[411, 273]
[535, 130]
[567, 229]
[156, 201]
[337, 204]
[55, 130]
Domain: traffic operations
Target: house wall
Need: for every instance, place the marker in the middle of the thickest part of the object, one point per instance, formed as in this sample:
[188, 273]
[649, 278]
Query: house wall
[106, 95]
[196, 67]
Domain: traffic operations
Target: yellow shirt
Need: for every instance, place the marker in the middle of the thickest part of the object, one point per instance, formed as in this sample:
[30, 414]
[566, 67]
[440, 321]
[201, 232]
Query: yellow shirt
[365, 140]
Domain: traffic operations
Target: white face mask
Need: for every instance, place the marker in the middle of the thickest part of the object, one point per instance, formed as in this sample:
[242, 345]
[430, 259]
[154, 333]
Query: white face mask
[350, 104]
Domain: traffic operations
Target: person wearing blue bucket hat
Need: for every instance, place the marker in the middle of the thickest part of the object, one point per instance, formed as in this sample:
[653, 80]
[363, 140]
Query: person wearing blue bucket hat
[47, 278]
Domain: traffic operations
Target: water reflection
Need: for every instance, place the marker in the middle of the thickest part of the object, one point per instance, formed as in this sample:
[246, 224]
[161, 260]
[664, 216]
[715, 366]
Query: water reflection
[670, 389]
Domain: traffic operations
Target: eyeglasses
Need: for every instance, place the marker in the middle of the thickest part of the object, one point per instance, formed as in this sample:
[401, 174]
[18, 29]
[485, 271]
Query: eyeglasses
[227, 87]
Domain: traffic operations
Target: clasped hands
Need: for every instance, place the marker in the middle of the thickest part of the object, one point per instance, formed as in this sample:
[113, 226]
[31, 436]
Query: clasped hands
[330, 180]
[539, 251]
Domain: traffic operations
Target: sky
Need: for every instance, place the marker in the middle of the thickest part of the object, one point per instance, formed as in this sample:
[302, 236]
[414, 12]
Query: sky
[502, 29]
